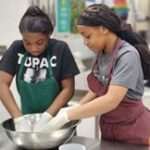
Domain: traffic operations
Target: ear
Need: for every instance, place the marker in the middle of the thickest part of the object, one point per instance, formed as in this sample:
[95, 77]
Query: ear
[49, 36]
[103, 30]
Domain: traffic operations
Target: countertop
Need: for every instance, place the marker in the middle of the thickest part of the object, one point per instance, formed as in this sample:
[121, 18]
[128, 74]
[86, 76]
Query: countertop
[91, 144]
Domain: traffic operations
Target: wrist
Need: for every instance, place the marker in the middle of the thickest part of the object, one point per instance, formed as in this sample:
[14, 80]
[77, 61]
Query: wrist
[17, 119]
[69, 115]
[17, 115]
[47, 113]
[47, 116]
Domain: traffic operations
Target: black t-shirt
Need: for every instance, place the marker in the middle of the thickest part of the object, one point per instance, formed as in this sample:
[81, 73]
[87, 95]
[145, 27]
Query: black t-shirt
[61, 60]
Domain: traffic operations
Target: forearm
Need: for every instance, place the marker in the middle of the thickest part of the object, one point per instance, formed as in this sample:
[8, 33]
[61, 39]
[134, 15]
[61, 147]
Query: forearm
[88, 97]
[8, 101]
[95, 107]
[99, 105]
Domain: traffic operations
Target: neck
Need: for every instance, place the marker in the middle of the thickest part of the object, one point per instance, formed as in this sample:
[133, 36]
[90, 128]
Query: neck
[110, 43]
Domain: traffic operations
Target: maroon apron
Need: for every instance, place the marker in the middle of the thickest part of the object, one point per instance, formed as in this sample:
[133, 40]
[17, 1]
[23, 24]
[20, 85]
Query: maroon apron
[130, 121]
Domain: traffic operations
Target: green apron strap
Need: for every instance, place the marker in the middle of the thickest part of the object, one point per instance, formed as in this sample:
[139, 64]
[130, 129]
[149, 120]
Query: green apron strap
[49, 65]
[22, 65]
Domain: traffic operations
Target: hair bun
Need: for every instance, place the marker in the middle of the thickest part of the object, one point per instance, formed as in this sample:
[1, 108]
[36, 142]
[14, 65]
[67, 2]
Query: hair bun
[34, 11]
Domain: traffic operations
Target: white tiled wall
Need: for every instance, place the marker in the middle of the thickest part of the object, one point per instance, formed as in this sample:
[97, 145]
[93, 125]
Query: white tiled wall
[9, 19]
[10, 15]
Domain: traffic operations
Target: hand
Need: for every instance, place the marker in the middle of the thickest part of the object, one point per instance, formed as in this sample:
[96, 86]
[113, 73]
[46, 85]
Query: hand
[60, 119]
[21, 125]
[41, 124]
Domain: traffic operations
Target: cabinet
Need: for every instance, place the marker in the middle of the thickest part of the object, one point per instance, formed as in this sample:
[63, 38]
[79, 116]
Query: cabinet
[88, 127]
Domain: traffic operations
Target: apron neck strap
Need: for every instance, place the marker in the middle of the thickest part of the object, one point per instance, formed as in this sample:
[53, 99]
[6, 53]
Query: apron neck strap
[22, 64]
[49, 65]
[116, 48]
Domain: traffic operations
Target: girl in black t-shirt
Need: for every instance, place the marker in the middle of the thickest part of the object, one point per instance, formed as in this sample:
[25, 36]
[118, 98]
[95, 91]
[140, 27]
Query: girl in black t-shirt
[44, 69]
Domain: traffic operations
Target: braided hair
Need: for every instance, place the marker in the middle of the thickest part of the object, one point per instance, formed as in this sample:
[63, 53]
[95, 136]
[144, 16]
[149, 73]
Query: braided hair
[35, 20]
[101, 15]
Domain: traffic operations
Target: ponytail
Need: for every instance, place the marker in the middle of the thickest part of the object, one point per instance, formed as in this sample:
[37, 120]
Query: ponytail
[140, 44]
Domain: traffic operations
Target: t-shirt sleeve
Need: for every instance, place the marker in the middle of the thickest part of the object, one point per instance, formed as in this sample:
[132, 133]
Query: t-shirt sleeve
[69, 67]
[8, 62]
[126, 71]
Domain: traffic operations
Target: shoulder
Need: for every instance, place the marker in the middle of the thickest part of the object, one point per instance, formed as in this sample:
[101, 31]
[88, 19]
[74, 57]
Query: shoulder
[58, 48]
[57, 43]
[127, 50]
[16, 46]
[127, 57]
[17, 43]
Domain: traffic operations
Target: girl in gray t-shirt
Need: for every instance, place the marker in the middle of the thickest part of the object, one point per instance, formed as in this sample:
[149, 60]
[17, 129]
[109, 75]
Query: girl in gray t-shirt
[116, 80]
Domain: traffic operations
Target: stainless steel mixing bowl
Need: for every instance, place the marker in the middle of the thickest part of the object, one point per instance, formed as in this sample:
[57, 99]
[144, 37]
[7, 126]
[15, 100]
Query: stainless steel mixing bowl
[35, 140]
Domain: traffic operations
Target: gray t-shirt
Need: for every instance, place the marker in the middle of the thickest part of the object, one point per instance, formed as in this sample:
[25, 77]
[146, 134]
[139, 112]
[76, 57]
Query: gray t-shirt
[127, 70]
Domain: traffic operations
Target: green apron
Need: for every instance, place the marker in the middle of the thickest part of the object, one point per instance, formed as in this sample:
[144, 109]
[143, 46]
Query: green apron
[37, 97]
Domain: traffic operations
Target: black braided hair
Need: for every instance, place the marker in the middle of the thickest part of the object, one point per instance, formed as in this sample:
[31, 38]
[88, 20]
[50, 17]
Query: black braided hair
[35, 20]
[101, 15]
